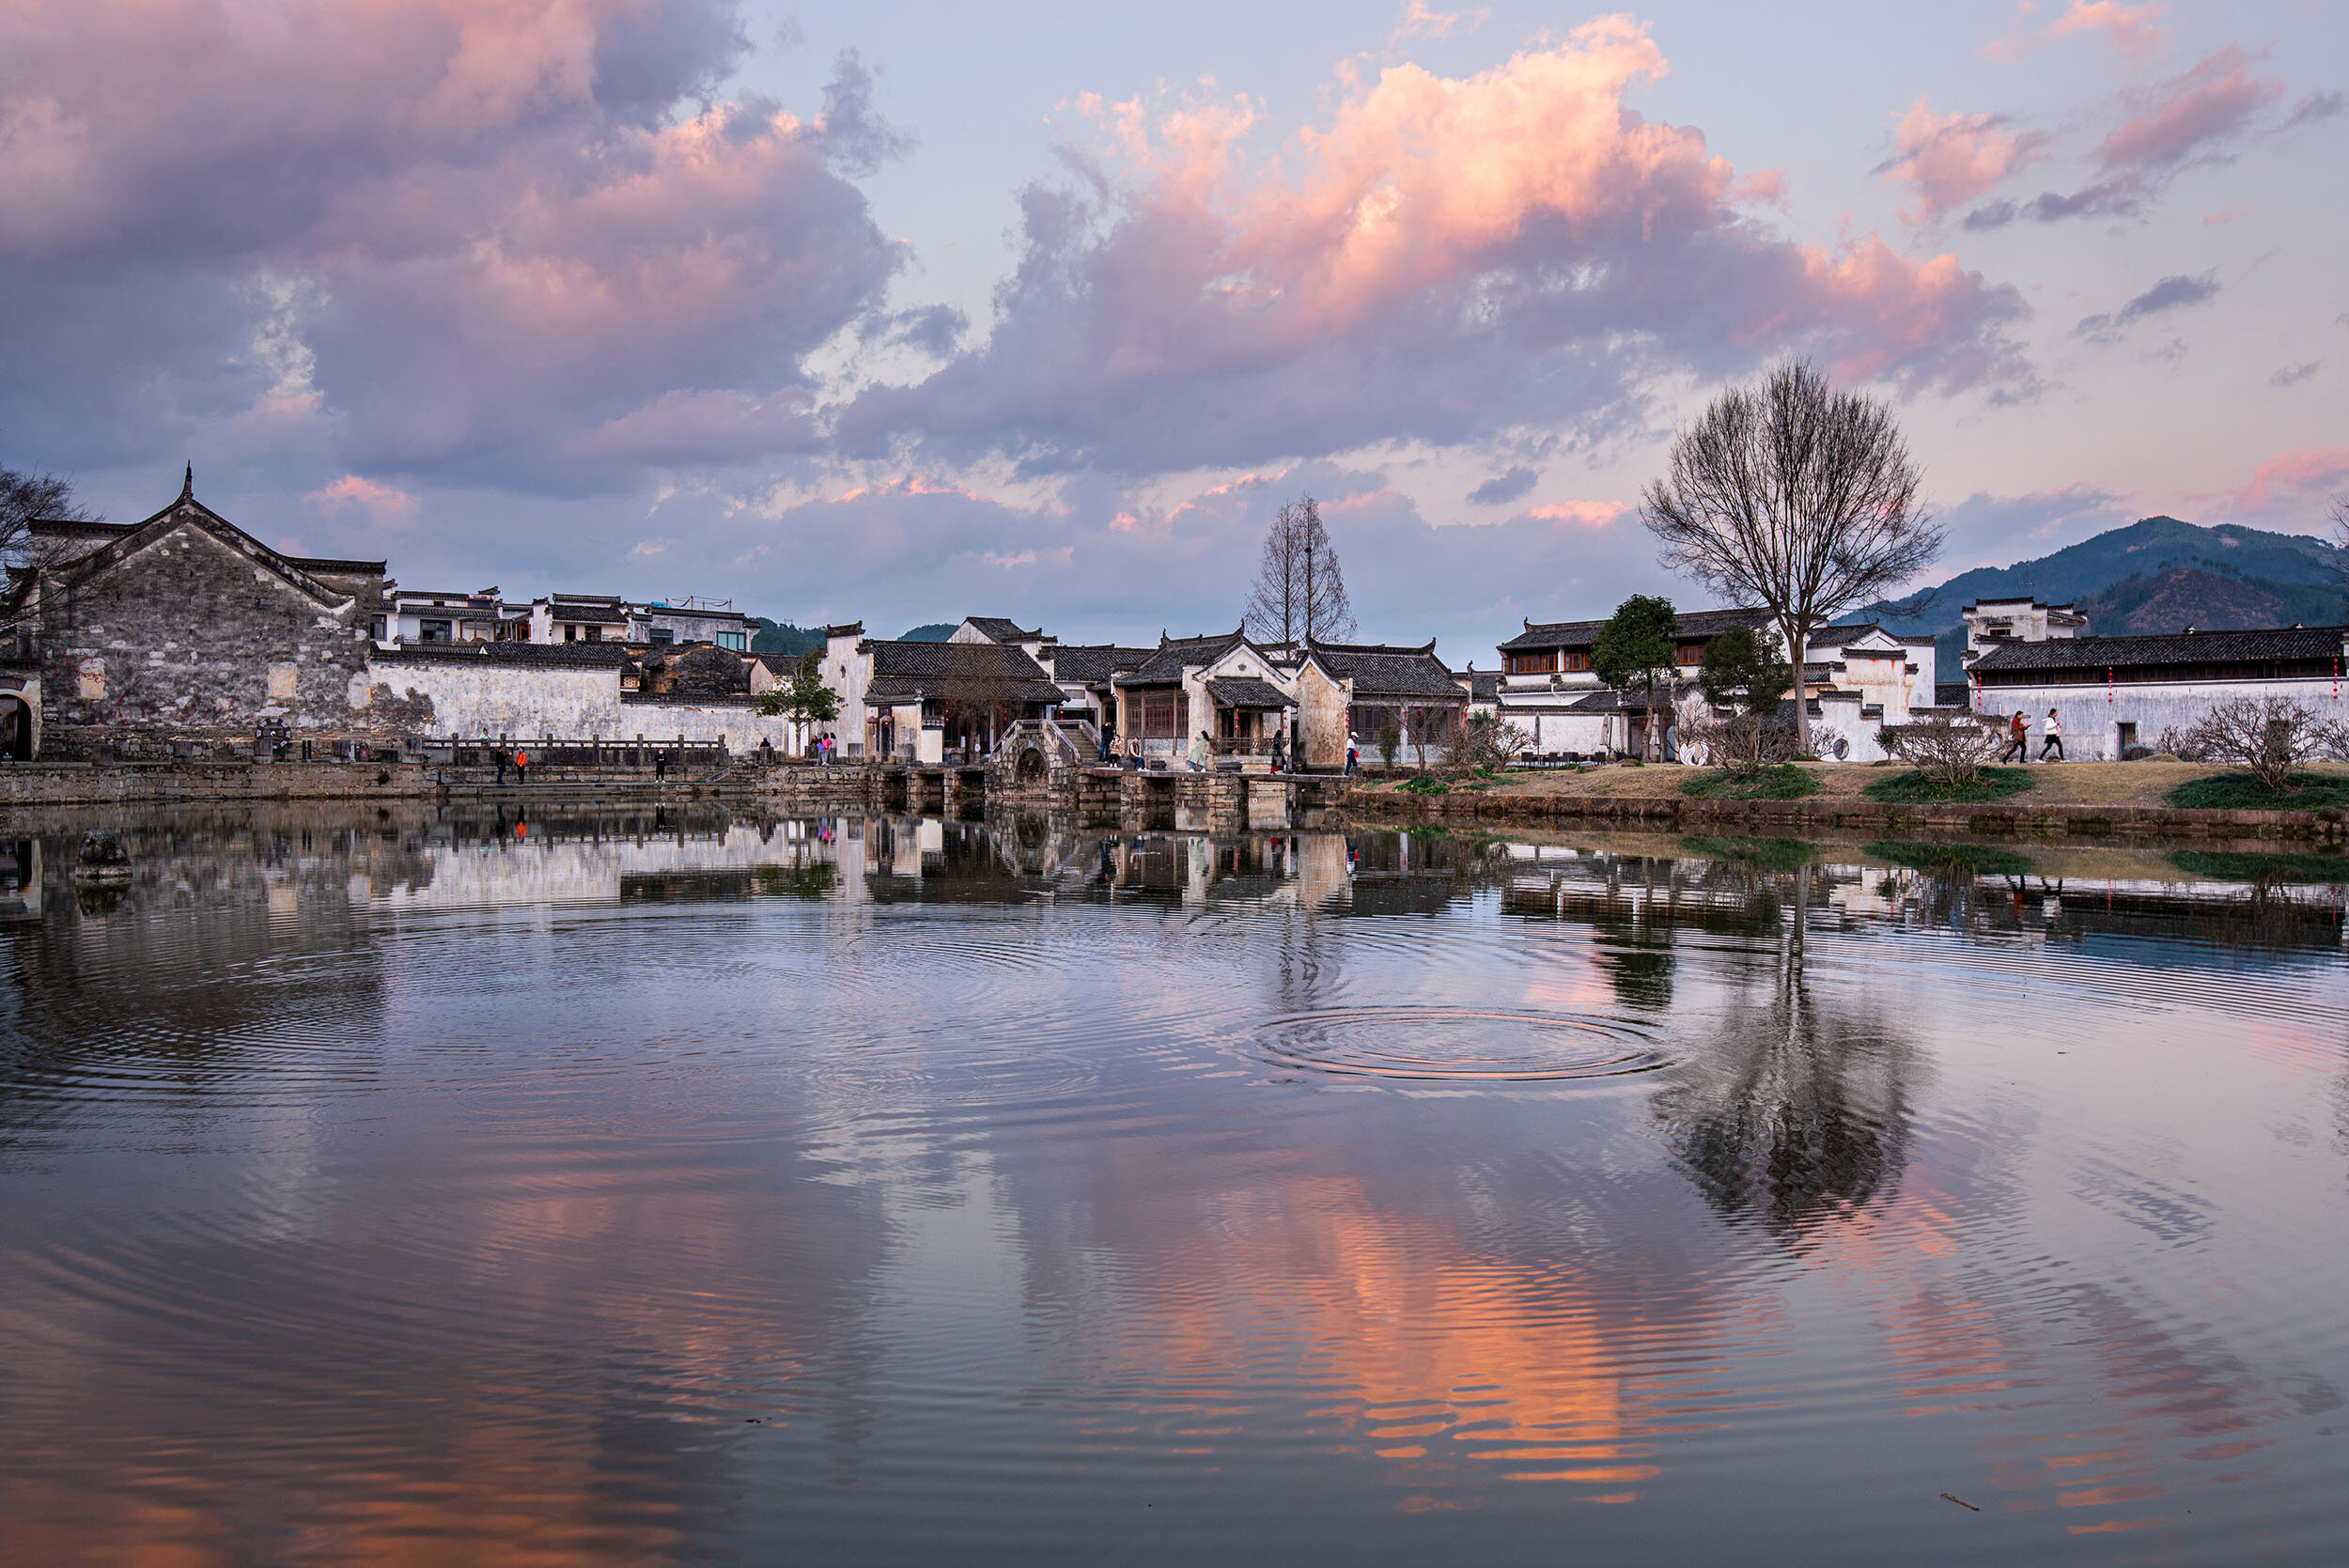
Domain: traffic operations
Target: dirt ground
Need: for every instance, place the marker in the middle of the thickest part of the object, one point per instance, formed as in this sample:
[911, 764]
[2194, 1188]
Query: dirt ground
[2056, 783]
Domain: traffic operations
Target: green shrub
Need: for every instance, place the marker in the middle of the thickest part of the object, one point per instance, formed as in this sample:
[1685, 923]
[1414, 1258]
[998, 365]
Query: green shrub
[1916, 788]
[1784, 782]
[2218, 866]
[2243, 792]
[1965, 859]
[1422, 784]
[1764, 853]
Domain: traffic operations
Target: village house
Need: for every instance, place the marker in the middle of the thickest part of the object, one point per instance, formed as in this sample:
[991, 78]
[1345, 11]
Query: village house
[1369, 687]
[2024, 619]
[2116, 694]
[1086, 674]
[920, 702]
[182, 633]
[1225, 687]
[691, 619]
[1857, 678]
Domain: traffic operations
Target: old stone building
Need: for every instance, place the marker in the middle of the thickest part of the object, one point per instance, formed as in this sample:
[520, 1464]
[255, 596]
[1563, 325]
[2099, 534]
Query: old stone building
[182, 633]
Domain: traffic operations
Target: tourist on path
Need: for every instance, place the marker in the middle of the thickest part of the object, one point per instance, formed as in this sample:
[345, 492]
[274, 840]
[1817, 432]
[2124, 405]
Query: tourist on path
[1353, 754]
[522, 768]
[2018, 739]
[2054, 738]
[1198, 753]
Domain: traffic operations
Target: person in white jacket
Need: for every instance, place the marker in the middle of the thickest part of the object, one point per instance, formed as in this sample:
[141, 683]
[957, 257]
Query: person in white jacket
[2052, 738]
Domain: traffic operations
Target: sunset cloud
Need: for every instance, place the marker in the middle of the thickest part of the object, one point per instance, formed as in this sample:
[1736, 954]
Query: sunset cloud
[1441, 258]
[488, 225]
[385, 504]
[2133, 30]
[2296, 488]
[1950, 160]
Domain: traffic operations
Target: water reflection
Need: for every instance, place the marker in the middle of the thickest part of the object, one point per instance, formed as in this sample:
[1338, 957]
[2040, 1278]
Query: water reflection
[676, 1186]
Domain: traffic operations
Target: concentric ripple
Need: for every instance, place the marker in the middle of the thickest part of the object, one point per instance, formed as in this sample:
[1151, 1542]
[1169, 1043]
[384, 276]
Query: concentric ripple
[1459, 1045]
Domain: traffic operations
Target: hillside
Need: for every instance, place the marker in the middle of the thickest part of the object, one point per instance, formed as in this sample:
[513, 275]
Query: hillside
[2158, 574]
[783, 637]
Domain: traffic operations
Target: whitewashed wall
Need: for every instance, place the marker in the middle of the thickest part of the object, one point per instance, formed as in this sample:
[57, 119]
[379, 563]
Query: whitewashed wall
[474, 698]
[2091, 716]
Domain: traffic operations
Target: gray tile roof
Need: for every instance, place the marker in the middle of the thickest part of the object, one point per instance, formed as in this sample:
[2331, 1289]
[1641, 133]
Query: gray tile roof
[1094, 665]
[903, 672]
[1001, 630]
[1379, 670]
[1580, 634]
[1166, 664]
[1247, 691]
[2291, 645]
[579, 655]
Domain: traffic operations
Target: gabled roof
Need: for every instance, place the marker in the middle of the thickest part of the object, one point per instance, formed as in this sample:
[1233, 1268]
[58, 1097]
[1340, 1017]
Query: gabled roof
[1580, 634]
[1484, 685]
[1377, 669]
[1247, 691]
[1853, 632]
[1095, 664]
[1174, 655]
[121, 540]
[997, 629]
[903, 672]
[2290, 645]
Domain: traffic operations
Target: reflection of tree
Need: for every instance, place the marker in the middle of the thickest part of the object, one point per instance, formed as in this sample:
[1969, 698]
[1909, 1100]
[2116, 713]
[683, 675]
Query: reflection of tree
[1638, 958]
[1792, 1114]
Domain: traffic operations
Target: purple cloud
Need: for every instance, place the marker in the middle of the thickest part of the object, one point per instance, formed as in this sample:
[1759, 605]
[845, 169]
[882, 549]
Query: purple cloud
[1449, 257]
[443, 240]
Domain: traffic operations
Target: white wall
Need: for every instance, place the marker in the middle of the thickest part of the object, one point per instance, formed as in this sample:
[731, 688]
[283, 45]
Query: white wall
[2092, 715]
[474, 697]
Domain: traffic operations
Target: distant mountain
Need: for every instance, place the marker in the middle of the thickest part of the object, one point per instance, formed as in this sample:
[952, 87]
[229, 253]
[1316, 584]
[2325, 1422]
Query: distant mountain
[937, 631]
[783, 637]
[2156, 575]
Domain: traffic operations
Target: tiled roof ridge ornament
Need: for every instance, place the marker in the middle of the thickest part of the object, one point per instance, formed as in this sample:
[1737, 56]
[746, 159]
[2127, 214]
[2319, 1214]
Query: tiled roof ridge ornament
[187, 486]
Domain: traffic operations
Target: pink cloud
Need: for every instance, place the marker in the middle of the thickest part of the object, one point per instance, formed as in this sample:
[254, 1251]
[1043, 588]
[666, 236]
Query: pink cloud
[2189, 112]
[2297, 485]
[386, 504]
[1419, 23]
[2225, 215]
[1439, 258]
[1581, 513]
[483, 225]
[1948, 160]
[2133, 29]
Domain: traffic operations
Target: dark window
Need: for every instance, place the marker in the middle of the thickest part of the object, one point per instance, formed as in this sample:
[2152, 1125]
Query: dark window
[376, 629]
[432, 631]
[594, 634]
[1159, 717]
[1543, 663]
[663, 634]
[1578, 661]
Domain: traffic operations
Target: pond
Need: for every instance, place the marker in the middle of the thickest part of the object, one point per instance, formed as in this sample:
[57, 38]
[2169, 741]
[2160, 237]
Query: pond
[690, 1187]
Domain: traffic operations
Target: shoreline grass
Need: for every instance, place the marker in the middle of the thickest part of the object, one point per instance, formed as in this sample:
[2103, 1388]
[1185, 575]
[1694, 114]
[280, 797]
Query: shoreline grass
[2244, 792]
[1914, 789]
[1784, 782]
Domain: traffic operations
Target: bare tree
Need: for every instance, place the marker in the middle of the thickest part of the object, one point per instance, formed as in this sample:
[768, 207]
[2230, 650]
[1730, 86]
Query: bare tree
[27, 497]
[2269, 735]
[1949, 749]
[1794, 497]
[1301, 588]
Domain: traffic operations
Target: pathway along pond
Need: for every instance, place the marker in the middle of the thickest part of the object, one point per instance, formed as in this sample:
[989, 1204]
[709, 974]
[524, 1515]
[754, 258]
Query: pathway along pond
[682, 1189]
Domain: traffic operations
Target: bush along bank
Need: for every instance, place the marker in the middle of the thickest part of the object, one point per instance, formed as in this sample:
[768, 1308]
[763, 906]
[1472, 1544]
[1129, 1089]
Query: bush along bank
[2018, 815]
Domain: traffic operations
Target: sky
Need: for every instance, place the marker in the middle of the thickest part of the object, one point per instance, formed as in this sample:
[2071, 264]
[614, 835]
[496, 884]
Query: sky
[900, 312]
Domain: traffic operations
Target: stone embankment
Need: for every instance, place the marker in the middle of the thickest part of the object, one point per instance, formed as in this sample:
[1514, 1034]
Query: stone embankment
[59, 783]
[2009, 819]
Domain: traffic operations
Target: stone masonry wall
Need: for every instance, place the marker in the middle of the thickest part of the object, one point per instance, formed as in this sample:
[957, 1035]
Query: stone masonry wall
[190, 639]
[464, 698]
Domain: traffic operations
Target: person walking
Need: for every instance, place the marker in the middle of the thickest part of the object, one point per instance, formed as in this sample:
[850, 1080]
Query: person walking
[1353, 754]
[2052, 738]
[2018, 739]
[1198, 753]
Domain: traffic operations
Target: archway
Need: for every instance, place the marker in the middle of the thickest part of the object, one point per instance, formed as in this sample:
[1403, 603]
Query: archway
[16, 729]
[1032, 768]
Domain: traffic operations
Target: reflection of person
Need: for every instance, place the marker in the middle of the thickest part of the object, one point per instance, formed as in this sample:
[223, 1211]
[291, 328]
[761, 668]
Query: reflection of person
[2054, 742]
[2018, 739]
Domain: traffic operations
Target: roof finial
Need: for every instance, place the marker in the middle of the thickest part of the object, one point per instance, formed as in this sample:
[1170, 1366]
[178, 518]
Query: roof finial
[187, 486]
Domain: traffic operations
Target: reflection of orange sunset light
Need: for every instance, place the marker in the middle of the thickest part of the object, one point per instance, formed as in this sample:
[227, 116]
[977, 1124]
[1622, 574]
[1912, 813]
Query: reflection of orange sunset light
[1432, 1361]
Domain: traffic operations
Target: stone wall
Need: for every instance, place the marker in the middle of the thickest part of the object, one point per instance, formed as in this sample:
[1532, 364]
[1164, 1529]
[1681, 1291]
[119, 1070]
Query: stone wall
[190, 639]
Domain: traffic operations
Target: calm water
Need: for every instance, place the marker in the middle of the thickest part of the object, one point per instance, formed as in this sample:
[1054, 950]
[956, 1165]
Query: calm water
[690, 1189]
